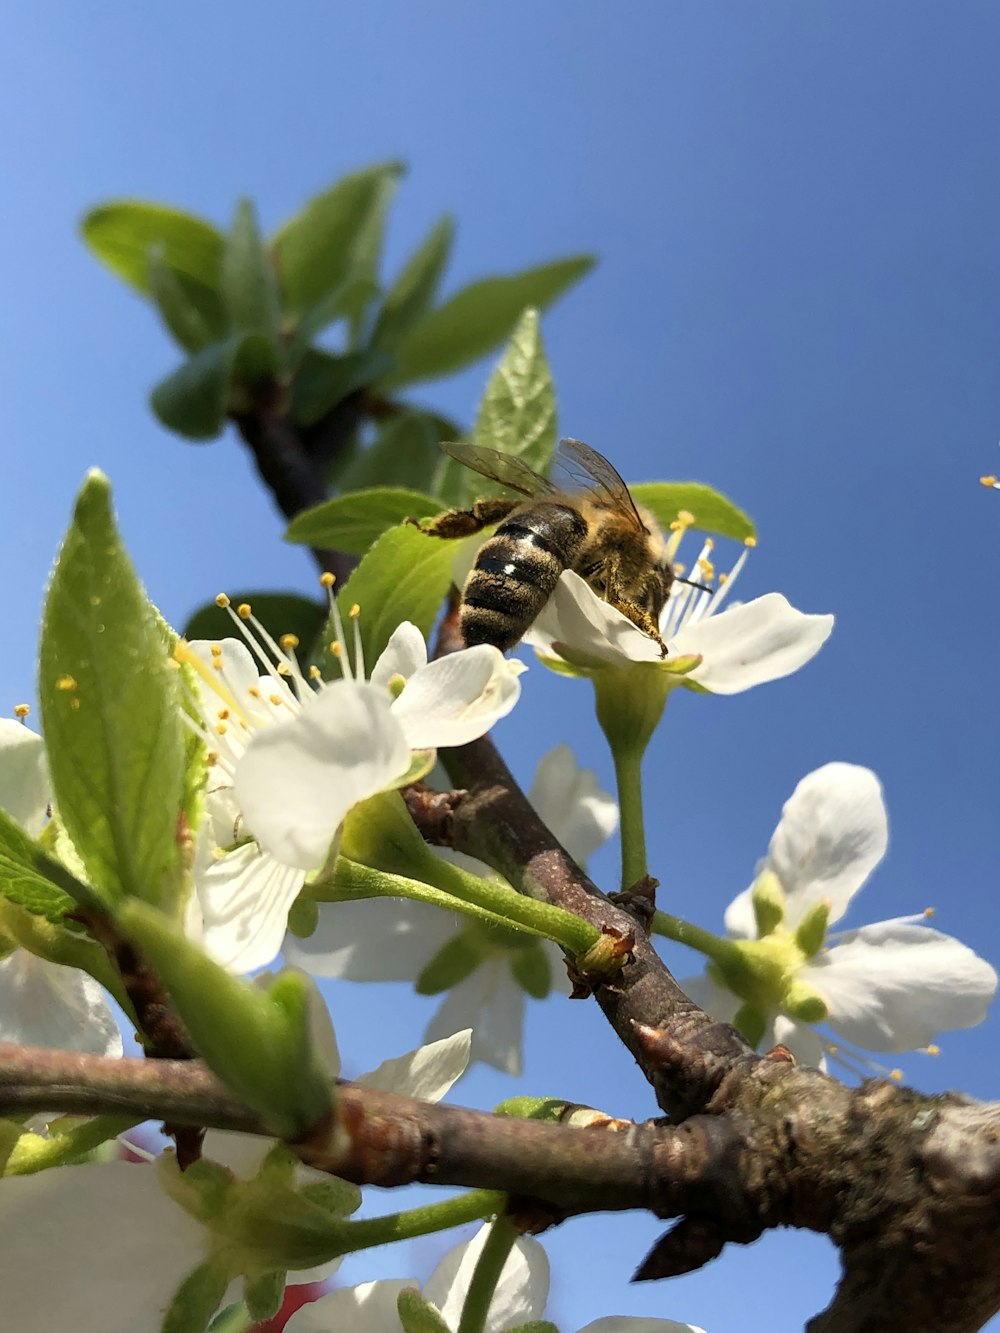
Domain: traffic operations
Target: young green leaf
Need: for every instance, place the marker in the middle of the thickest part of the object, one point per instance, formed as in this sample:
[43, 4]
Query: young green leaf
[257, 1041]
[110, 702]
[194, 314]
[343, 302]
[477, 319]
[192, 400]
[319, 248]
[518, 412]
[404, 576]
[323, 380]
[406, 453]
[249, 282]
[711, 510]
[122, 235]
[36, 881]
[413, 291]
[354, 522]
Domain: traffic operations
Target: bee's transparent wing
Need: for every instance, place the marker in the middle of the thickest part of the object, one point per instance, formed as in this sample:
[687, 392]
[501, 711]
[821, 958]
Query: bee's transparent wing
[585, 469]
[505, 468]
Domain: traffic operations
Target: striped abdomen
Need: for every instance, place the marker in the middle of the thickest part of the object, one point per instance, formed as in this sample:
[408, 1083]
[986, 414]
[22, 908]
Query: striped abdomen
[517, 570]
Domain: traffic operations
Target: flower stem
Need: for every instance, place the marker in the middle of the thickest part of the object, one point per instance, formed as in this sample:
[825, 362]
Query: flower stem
[489, 1266]
[628, 777]
[676, 928]
[33, 1153]
[371, 1231]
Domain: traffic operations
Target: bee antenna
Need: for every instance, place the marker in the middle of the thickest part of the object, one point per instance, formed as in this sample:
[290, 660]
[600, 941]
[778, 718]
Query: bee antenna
[691, 583]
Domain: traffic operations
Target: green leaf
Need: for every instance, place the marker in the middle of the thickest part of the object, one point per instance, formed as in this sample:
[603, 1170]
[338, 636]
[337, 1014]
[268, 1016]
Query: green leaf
[34, 880]
[319, 248]
[343, 302]
[281, 612]
[110, 702]
[418, 1315]
[323, 380]
[712, 511]
[256, 1041]
[406, 453]
[413, 291]
[193, 399]
[249, 282]
[404, 576]
[122, 234]
[479, 318]
[518, 411]
[354, 522]
[194, 314]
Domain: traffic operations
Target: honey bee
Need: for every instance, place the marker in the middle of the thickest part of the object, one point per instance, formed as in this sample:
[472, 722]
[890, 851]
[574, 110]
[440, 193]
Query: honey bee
[591, 526]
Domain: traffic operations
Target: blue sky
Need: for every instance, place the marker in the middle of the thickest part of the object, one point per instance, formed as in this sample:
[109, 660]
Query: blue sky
[796, 207]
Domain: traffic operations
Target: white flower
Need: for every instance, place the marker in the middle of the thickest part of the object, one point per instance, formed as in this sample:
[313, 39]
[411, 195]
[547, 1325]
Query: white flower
[742, 646]
[292, 754]
[43, 1003]
[520, 1297]
[394, 939]
[886, 987]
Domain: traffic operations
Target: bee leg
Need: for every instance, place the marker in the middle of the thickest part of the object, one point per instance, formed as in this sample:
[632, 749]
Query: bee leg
[638, 615]
[465, 522]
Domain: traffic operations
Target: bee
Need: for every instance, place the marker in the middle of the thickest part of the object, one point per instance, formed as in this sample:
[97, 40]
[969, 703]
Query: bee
[592, 526]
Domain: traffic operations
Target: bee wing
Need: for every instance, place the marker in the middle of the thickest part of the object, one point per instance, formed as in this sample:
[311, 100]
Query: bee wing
[507, 469]
[586, 469]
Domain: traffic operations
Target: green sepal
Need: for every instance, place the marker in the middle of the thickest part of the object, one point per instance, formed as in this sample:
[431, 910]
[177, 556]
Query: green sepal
[810, 933]
[752, 1023]
[550, 1109]
[303, 917]
[264, 1293]
[404, 576]
[767, 898]
[457, 959]
[122, 235]
[517, 414]
[418, 1315]
[354, 522]
[323, 246]
[534, 1326]
[111, 712]
[532, 970]
[805, 1003]
[712, 511]
[193, 314]
[256, 1041]
[196, 1300]
[323, 380]
[192, 400]
[477, 319]
[413, 291]
[630, 702]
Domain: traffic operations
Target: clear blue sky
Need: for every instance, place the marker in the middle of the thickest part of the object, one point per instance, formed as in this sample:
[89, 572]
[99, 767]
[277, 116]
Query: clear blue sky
[797, 209]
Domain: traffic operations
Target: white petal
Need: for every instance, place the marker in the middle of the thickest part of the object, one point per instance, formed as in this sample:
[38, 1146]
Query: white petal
[894, 985]
[520, 1294]
[97, 1248]
[715, 1000]
[490, 1002]
[24, 776]
[405, 653]
[458, 697]
[377, 939]
[368, 1308]
[620, 1323]
[298, 780]
[575, 616]
[579, 813]
[832, 834]
[739, 918]
[750, 644]
[244, 899]
[428, 1072]
[45, 1004]
[803, 1041]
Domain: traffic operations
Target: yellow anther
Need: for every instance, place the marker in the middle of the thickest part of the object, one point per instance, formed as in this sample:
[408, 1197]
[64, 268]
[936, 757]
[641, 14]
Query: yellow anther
[327, 580]
[218, 664]
[22, 710]
[74, 703]
[933, 1050]
[709, 543]
[315, 673]
[221, 600]
[685, 517]
[928, 912]
[221, 729]
[289, 641]
[896, 1075]
[723, 579]
[244, 610]
[706, 567]
[274, 699]
[283, 669]
[216, 650]
[355, 611]
[254, 691]
[223, 714]
[65, 683]
[989, 481]
[336, 649]
[750, 542]
[211, 758]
